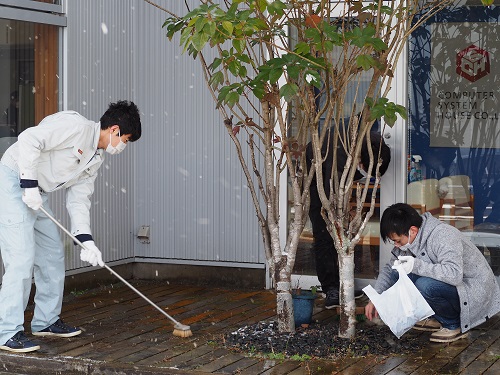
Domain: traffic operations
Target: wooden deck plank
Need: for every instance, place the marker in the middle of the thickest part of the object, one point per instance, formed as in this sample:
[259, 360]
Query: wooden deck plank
[260, 367]
[121, 329]
[359, 367]
[388, 364]
[494, 369]
[237, 367]
[221, 362]
[470, 356]
[282, 368]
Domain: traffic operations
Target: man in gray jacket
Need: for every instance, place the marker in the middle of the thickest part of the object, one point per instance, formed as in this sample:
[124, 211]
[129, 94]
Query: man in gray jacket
[448, 270]
[65, 151]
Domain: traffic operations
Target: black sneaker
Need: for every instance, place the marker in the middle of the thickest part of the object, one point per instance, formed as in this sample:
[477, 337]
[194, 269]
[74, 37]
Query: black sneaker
[332, 299]
[358, 294]
[19, 343]
[59, 329]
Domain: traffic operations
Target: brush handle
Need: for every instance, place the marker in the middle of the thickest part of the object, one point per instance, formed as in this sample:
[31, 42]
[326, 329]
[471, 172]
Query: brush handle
[110, 270]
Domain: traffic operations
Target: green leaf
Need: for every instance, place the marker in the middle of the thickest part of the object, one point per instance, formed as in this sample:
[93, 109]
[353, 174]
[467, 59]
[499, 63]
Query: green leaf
[293, 71]
[216, 79]
[302, 48]
[228, 26]
[288, 91]
[239, 44]
[185, 35]
[234, 67]
[378, 44]
[215, 64]
[259, 92]
[365, 61]
[275, 74]
[243, 71]
[199, 40]
[276, 7]
[200, 23]
[313, 34]
[334, 35]
[390, 119]
[232, 98]
[244, 58]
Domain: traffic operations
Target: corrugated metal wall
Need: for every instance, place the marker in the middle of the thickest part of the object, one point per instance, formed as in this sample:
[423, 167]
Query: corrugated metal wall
[191, 190]
[182, 177]
[98, 59]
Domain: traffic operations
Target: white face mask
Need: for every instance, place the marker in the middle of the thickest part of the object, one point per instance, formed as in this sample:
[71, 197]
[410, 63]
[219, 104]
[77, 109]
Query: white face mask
[407, 245]
[115, 150]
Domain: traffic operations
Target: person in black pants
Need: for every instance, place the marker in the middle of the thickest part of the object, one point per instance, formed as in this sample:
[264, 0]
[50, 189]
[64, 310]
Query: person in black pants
[327, 265]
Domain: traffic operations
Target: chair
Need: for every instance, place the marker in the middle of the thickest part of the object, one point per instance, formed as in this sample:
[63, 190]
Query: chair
[422, 195]
[456, 201]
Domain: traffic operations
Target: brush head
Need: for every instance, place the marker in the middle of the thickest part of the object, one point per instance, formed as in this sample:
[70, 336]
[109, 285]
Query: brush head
[182, 330]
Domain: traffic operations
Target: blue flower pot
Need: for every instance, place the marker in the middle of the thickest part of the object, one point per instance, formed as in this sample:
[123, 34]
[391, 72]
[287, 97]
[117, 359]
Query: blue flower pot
[303, 305]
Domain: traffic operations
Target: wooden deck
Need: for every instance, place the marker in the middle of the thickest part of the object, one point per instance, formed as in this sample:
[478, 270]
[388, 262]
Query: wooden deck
[123, 334]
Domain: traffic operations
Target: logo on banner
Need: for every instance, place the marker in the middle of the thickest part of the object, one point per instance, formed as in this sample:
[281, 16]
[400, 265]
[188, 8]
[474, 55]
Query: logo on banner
[473, 63]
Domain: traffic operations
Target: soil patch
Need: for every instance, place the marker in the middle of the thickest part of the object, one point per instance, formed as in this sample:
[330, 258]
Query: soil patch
[321, 341]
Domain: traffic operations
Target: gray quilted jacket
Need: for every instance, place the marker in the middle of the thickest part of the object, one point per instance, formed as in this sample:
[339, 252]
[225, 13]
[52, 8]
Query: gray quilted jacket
[443, 253]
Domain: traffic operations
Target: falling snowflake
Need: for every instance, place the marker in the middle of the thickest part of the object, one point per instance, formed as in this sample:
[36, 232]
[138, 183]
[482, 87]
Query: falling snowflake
[104, 28]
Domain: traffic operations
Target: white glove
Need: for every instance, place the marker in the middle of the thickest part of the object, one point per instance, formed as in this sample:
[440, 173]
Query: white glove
[91, 254]
[407, 262]
[396, 264]
[32, 198]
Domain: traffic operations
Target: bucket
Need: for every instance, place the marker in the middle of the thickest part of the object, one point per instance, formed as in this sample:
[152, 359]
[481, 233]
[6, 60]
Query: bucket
[303, 305]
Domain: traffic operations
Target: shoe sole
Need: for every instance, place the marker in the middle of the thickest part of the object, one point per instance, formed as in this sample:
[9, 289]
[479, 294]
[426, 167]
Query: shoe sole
[331, 307]
[426, 329]
[451, 339]
[23, 350]
[72, 334]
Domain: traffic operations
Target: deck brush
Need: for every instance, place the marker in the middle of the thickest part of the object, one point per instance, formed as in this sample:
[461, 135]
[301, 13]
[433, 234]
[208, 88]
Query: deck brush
[180, 330]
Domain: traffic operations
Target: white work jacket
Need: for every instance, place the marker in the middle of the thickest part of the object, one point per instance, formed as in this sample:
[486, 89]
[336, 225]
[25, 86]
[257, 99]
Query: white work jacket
[61, 153]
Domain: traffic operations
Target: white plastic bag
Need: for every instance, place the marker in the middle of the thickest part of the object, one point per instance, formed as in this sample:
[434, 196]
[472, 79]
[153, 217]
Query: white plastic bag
[400, 306]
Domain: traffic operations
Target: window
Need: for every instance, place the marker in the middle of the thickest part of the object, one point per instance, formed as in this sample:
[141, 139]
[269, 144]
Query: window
[28, 66]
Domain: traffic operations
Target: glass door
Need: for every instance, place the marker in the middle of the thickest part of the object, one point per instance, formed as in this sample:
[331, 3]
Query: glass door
[453, 159]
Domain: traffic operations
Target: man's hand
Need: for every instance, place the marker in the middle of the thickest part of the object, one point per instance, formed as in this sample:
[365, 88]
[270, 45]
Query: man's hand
[32, 198]
[407, 262]
[371, 311]
[91, 254]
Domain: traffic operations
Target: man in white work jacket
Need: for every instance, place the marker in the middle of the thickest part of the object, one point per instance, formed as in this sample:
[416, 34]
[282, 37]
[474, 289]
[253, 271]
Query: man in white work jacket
[64, 151]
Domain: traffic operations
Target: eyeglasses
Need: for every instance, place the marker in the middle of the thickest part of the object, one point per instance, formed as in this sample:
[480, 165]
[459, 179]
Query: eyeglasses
[398, 241]
[394, 243]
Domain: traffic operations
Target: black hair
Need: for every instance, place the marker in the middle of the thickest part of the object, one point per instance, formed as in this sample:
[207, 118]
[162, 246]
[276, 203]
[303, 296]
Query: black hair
[397, 219]
[125, 114]
[376, 141]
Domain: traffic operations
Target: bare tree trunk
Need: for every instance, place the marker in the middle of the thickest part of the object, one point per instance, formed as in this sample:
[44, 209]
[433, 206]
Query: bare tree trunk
[347, 326]
[284, 306]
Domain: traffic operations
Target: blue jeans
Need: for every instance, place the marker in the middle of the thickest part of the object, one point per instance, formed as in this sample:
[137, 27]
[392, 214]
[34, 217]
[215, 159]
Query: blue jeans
[31, 247]
[441, 297]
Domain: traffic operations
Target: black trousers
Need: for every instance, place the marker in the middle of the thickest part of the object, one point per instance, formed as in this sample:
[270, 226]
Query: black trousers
[327, 262]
